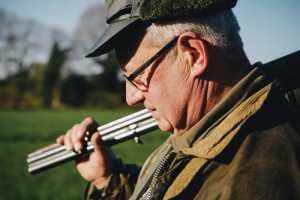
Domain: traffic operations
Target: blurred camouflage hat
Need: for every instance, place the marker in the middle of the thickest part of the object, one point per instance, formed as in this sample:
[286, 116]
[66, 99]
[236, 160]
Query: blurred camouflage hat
[122, 14]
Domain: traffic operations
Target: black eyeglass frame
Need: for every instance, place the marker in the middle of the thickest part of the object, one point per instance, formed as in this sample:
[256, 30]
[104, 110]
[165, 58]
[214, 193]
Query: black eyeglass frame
[139, 70]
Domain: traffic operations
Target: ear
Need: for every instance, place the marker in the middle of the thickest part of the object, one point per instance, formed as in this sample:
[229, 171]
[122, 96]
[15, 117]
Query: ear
[194, 53]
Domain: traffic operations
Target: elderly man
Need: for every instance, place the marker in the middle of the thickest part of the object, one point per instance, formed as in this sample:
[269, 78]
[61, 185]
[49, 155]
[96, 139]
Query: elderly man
[234, 134]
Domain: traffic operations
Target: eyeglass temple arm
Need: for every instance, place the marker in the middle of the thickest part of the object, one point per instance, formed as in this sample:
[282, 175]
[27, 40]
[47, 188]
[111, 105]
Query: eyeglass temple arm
[152, 59]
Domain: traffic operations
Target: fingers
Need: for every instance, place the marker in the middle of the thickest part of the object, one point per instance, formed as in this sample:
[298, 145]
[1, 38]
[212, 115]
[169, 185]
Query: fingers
[60, 139]
[73, 139]
[67, 140]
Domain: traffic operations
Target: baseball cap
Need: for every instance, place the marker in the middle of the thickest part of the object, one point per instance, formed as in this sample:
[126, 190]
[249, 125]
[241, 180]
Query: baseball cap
[123, 14]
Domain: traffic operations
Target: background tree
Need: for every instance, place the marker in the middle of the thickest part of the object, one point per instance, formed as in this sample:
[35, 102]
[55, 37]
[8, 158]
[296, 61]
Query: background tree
[52, 73]
[21, 43]
[35, 66]
[107, 82]
[91, 25]
[108, 79]
[73, 90]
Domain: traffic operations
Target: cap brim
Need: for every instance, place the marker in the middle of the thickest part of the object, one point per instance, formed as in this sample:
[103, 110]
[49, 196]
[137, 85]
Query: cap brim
[106, 41]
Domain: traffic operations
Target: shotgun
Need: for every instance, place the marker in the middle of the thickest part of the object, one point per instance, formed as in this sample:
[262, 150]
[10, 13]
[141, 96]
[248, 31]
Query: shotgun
[286, 69]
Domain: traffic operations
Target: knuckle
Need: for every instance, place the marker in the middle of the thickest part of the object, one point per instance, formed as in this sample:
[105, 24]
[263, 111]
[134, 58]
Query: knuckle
[88, 121]
[75, 127]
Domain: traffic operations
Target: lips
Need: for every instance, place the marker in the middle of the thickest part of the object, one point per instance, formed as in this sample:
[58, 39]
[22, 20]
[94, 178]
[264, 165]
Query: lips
[154, 113]
[151, 110]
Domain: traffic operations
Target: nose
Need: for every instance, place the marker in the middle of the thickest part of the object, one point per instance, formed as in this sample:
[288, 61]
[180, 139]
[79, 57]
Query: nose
[133, 95]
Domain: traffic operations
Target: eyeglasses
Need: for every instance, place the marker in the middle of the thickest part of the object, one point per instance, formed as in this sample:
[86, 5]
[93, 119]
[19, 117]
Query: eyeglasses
[131, 78]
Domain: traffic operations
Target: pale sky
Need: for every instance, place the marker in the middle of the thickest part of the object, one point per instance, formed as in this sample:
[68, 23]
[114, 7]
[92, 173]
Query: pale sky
[269, 28]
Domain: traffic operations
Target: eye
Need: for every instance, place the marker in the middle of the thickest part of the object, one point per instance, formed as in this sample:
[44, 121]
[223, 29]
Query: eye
[139, 78]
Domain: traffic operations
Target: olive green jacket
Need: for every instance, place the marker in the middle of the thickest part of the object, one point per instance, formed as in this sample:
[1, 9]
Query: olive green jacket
[247, 147]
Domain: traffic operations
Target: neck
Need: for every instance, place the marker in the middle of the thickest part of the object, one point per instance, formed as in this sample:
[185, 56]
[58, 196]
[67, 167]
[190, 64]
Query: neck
[220, 77]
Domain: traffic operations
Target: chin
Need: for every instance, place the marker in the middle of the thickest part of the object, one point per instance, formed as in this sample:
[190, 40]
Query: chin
[165, 126]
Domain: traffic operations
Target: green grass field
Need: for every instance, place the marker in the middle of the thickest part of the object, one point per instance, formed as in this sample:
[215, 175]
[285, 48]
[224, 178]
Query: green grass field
[21, 132]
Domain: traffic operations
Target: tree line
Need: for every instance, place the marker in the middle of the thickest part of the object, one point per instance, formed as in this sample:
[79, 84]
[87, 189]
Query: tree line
[44, 68]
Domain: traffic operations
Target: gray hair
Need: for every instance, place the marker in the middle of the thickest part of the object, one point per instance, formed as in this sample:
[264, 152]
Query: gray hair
[220, 30]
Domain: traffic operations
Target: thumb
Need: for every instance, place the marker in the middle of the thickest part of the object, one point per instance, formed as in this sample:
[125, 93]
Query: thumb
[100, 147]
[98, 143]
[106, 153]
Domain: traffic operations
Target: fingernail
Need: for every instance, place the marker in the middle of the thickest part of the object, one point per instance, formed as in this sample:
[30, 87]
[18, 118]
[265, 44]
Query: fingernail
[78, 133]
[68, 147]
[76, 147]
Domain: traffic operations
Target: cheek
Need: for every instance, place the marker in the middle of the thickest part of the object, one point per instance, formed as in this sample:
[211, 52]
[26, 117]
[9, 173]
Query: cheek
[169, 93]
[171, 81]
[169, 100]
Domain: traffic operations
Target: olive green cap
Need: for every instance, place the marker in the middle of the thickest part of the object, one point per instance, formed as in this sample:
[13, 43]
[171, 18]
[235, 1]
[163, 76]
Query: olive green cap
[122, 14]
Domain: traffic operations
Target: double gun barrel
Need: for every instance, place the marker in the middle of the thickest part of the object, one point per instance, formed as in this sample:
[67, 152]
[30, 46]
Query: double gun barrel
[128, 127]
